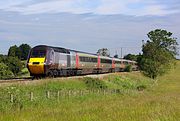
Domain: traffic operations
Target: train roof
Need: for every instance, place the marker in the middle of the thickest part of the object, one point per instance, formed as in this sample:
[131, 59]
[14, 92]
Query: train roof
[57, 49]
[64, 50]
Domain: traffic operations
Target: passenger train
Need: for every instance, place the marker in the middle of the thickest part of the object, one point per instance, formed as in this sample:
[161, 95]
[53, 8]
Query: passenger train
[50, 61]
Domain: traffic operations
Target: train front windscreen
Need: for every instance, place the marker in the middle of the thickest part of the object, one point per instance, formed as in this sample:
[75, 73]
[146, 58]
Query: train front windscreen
[38, 53]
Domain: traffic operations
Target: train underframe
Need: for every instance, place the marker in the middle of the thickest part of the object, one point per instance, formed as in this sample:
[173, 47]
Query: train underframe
[74, 72]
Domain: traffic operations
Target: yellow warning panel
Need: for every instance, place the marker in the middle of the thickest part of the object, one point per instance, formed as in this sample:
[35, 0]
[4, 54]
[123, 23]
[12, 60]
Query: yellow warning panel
[36, 65]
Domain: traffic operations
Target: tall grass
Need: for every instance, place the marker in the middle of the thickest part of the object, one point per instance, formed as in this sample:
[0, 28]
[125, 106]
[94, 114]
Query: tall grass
[147, 100]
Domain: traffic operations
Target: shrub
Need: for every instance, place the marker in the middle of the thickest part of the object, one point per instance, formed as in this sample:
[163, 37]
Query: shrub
[128, 68]
[4, 71]
[124, 83]
[94, 83]
[14, 65]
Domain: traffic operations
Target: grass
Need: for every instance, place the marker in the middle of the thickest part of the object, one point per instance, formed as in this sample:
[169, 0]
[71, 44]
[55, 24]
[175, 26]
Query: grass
[148, 100]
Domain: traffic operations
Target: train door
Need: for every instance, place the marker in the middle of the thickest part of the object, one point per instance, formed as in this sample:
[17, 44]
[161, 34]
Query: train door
[50, 57]
[68, 61]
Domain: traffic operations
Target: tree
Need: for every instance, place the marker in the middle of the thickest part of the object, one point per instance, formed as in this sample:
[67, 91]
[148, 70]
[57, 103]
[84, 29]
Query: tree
[104, 52]
[14, 51]
[131, 57]
[21, 52]
[24, 48]
[116, 56]
[158, 53]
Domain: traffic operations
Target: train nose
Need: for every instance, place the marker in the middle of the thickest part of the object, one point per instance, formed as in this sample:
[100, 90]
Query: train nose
[36, 65]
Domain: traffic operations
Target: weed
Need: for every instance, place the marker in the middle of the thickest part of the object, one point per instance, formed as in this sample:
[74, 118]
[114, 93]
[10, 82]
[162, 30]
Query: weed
[96, 83]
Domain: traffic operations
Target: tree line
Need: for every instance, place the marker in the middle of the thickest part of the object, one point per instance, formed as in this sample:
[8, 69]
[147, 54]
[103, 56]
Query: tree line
[12, 64]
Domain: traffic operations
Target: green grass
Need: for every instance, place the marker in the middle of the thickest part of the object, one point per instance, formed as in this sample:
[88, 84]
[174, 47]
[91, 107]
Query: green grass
[146, 100]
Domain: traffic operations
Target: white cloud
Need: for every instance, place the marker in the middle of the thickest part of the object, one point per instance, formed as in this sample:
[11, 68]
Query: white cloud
[114, 6]
[104, 7]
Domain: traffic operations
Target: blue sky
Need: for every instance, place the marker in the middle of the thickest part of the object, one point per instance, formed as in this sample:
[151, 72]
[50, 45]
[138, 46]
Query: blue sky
[86, 25]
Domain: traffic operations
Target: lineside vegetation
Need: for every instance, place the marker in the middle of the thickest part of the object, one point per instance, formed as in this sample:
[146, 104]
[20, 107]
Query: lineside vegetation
[137, 98]
[158, 53]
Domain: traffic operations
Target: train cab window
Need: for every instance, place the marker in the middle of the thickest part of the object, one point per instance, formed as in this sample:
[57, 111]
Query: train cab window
[38, 53]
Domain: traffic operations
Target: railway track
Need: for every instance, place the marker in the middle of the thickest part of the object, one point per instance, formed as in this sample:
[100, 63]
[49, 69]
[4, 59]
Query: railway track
[29, 79]
[12, 80]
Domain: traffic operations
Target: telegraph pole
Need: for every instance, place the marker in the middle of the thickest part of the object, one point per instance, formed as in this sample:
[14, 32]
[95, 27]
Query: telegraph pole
[121, 52]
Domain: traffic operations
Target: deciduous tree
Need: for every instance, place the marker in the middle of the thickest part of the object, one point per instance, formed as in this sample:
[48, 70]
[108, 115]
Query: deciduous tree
[103, 52]
[24, 48]
[158, 53]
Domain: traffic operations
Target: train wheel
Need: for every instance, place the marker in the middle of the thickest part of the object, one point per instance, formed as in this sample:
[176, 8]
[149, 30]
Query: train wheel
[55, 73]
[50, 74]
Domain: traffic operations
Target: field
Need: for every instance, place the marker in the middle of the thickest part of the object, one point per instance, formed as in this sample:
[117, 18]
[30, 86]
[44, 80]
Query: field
[115, 97]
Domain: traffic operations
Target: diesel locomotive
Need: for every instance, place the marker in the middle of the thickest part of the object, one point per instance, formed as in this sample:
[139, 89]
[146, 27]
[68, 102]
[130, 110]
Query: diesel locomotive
[56, 61]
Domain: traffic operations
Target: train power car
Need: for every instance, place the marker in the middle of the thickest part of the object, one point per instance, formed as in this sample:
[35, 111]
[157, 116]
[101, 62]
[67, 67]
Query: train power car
[56, 61]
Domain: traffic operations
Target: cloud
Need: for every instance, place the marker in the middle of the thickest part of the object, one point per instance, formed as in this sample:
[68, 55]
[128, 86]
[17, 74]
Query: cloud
[85, 24]
[87, 32]
[105, 7]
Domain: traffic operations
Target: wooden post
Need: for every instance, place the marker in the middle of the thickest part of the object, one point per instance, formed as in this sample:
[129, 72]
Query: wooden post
[58, 93]
[69, 93]
[48, 94]
[81, 93]
[98, 91]
[11, 98]
[104, 92]
[31, 96]
[115, 91]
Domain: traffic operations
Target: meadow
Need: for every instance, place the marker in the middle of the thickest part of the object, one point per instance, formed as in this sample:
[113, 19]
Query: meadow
[115, 97]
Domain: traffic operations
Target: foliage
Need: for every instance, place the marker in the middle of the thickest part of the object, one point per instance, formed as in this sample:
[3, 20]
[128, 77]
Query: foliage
[24, 48]
[103, 52]
[116, 56]
[94, 83]
[128, 68]
[13, 63]
[131, 57]
[4, 71]
[158, 53]
[14, 51]
[21, 52]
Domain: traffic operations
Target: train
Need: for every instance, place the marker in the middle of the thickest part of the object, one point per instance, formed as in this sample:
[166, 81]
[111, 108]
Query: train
[49, 61]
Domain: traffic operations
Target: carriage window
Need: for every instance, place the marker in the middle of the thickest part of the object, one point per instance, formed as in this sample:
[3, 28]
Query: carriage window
[106, 61]
[88, 59]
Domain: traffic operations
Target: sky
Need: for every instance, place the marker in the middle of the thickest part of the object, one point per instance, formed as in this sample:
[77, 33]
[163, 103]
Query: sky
[86, 25]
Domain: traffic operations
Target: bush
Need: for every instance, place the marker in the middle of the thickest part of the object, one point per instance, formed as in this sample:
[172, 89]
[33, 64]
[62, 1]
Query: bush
[128, 68]
[124, 83]
[14, 65]
[4, 71]
[94, 83]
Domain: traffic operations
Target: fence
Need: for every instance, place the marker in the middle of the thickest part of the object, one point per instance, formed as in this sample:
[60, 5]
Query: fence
[63, 94]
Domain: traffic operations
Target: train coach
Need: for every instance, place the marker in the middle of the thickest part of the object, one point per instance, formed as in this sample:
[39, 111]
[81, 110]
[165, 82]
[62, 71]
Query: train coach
[56, 61]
